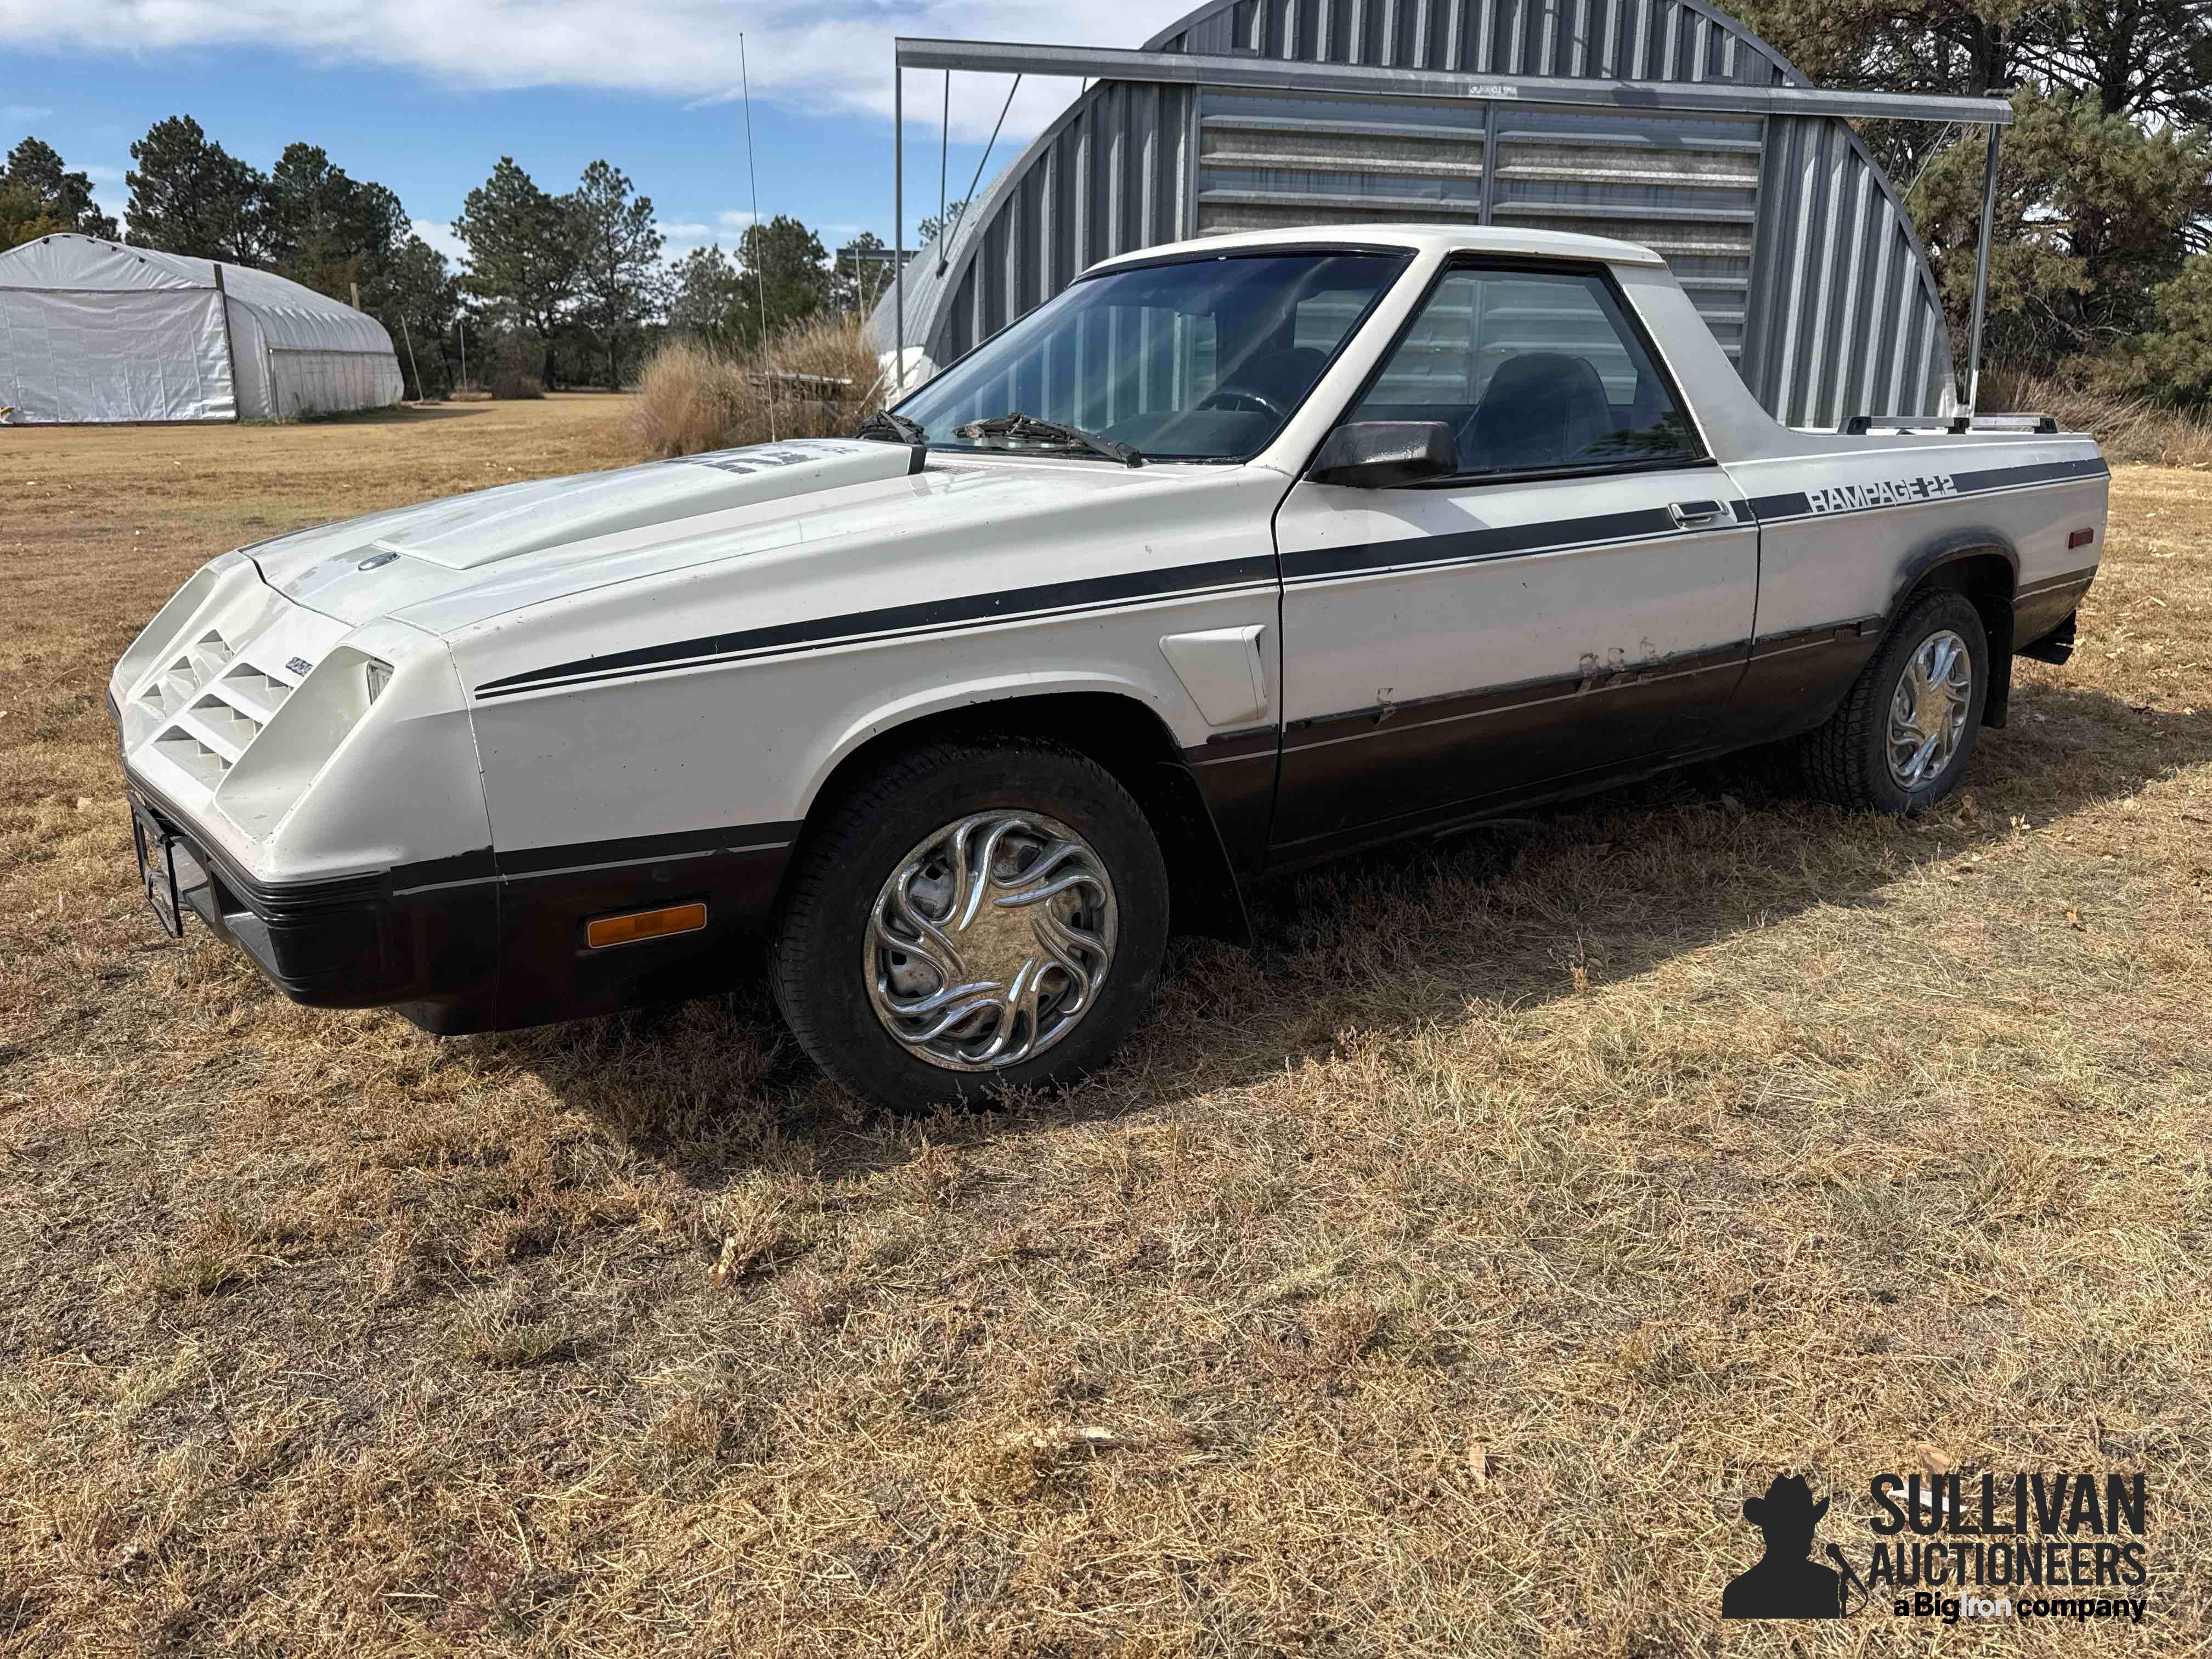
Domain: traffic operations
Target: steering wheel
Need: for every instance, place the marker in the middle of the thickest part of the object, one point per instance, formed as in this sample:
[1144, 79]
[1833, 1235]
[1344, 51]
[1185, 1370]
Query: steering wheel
[1232, 398]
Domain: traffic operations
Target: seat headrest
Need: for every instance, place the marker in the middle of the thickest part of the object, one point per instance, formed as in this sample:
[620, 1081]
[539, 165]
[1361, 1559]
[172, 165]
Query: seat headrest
[1541, 408]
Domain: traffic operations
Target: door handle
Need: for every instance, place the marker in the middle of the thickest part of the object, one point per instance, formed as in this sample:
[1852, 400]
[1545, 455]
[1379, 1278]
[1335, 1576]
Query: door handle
[1686, 513]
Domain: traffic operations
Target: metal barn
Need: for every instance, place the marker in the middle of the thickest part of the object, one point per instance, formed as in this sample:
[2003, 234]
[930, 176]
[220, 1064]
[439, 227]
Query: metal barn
[1662, 122]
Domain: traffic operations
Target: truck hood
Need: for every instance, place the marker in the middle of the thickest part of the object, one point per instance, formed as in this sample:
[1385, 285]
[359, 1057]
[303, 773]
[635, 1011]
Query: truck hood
[449, 565]
[387, 563]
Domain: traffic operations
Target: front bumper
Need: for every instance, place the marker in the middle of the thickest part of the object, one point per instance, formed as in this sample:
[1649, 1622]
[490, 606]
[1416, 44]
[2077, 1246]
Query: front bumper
[422, 940]
[460, 945]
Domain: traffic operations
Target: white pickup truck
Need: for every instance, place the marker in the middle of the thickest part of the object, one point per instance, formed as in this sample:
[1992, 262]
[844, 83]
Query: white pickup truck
[1302, 541]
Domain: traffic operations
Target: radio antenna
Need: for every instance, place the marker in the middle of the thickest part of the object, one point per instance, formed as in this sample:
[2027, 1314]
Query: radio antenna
[760, 233]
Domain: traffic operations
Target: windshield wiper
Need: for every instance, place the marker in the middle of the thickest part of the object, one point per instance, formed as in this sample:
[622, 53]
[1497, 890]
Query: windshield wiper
[1023, 429]
[886, 427]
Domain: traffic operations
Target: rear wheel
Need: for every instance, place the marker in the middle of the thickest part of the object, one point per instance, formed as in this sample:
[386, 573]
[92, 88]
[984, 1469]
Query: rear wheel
[975, 918]
[1906, 729]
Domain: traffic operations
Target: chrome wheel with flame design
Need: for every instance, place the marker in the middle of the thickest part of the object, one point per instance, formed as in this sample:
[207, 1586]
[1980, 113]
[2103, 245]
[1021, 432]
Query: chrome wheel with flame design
[990, 940]
[1929, 709]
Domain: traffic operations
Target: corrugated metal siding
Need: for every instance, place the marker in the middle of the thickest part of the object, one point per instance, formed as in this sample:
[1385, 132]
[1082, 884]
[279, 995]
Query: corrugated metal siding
[1112, 174]
[1685, 185]
[1788, 238]
[1844, 317]
[1625, 40]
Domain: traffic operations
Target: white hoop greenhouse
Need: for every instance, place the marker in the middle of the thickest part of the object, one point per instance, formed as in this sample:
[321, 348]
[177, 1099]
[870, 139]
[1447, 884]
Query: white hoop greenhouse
[95, 331]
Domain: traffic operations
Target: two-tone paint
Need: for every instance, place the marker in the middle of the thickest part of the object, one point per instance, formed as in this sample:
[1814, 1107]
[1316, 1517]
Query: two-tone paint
[636, 688]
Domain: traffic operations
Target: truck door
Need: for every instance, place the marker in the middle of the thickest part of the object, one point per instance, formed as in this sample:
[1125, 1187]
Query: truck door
[1579, 596]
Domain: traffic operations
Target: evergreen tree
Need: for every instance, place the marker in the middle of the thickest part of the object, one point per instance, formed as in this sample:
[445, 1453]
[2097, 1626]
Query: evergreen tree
[328, 231]
[931, 223]
[620, 279]
[60, 199]
[705, 301]
[188, 195]
[522, 253]
[860, 271]
[23, 216]
[420, 302]
[785, 262]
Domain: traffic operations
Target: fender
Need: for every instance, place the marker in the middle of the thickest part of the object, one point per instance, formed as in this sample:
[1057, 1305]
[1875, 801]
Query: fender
[936, 700]
[1924, 569]
[1137, 743]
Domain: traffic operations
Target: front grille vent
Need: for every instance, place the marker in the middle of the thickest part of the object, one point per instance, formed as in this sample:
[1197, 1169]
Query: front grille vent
[194, 757]
[225, 720]
[259, 693]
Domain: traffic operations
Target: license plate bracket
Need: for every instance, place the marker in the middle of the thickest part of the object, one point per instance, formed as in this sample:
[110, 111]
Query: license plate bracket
[157, 870]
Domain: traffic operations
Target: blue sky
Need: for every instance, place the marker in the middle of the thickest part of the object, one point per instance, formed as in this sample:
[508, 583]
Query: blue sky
[425, 95]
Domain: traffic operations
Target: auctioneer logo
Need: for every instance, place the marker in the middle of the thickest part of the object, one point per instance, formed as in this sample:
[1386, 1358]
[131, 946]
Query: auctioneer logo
[2031, 1546]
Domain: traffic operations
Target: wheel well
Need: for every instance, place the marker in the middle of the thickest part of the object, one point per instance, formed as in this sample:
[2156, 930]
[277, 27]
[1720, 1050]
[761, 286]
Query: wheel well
[1985, 577]
[1127, 739]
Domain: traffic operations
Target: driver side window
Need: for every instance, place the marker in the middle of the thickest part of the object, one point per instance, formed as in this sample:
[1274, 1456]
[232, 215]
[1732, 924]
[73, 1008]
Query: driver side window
[1534, 371]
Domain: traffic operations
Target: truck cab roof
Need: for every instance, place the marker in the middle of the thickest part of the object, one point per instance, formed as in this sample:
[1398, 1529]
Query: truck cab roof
[1510, 240]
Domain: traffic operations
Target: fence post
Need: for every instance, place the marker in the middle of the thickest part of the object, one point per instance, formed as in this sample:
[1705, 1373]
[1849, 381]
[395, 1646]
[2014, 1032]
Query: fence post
[406, 334]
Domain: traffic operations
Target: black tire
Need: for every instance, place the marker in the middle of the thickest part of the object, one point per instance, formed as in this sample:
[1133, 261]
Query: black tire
[1847, 760]
[817, 962]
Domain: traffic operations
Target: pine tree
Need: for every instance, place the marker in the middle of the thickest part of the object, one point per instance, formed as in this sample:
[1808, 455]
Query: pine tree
[522, 252]
[60, 199]
[188, 195]
[620, 280]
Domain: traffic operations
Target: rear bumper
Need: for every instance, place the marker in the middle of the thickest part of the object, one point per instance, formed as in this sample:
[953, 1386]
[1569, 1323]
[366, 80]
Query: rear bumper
[2041, 609]
[459, 945]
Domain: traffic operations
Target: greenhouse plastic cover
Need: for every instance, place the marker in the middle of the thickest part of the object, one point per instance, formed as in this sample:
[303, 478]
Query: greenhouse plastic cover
[95, 331]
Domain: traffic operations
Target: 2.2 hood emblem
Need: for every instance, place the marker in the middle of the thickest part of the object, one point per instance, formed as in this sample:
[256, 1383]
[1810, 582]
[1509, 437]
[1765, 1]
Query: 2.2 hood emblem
[298, 664]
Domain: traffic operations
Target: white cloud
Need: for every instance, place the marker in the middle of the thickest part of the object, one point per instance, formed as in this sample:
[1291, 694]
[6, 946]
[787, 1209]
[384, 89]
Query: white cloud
[439, 236]
[832, 58]
[682, 230]
[103, 175]
[25, 112]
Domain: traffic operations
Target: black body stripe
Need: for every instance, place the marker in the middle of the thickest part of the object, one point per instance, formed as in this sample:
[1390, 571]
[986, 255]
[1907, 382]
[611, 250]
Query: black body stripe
[928, 617]
[1798, 639]
[1314, 730]
[1312, 565]
[1323, 563]
[1250, 743]
[645, 849]
[1793, 504]
[2052, 584]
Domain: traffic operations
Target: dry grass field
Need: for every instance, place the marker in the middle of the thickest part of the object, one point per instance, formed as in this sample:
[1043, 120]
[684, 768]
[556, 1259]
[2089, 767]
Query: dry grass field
[1437, 1279]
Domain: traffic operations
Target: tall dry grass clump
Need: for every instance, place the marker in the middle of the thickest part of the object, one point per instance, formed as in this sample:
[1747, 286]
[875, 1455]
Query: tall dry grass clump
[2126, 426]
[693, 397]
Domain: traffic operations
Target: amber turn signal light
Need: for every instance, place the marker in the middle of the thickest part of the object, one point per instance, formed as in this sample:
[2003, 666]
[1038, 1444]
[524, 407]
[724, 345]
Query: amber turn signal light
[644, 924]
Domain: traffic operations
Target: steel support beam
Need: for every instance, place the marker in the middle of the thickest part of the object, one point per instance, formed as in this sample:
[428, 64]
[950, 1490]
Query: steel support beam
[1981, 275]
[898, 230]
[1213, 70]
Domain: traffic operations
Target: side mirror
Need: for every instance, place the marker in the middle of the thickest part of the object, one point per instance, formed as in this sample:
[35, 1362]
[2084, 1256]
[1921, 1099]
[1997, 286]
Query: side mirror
[1378, 454]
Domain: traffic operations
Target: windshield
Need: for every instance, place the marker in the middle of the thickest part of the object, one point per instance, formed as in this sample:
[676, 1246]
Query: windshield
[1201, 360]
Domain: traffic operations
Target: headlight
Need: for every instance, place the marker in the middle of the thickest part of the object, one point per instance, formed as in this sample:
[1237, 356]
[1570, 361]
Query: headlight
[379, 675]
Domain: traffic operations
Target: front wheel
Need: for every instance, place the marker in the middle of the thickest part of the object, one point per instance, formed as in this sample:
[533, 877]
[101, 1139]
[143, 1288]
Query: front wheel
[975, 917]
[1901, 740]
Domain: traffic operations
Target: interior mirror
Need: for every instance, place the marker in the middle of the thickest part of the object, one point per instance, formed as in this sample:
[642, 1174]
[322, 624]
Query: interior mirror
[1377, 454]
